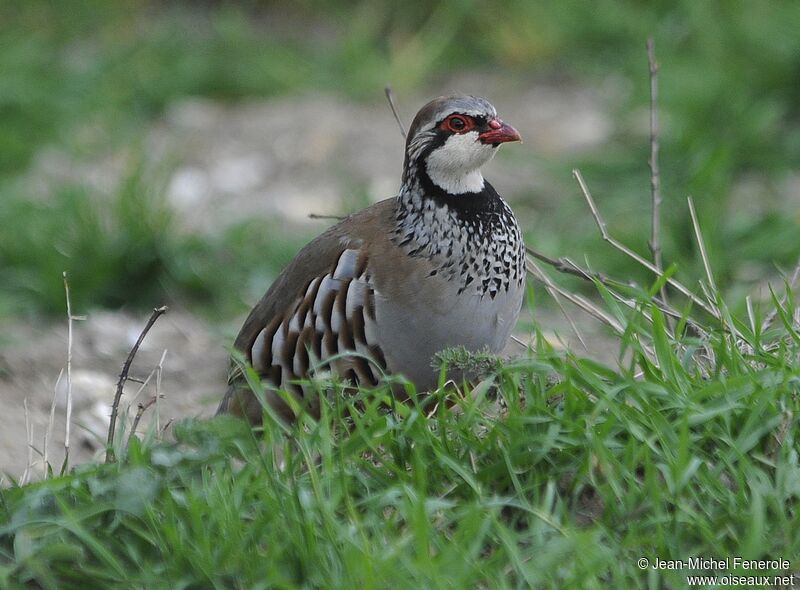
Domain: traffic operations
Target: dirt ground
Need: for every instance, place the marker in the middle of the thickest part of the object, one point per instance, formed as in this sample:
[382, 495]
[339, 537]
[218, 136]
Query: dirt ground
[285, 157]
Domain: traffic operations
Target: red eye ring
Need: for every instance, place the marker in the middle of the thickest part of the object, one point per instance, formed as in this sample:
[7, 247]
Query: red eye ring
[458, 124]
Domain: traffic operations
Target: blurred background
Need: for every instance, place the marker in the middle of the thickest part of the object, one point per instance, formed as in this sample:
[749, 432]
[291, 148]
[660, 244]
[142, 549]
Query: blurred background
[170, 153]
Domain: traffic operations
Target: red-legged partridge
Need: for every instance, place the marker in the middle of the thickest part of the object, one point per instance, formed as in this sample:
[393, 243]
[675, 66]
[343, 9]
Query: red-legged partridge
[442, 264]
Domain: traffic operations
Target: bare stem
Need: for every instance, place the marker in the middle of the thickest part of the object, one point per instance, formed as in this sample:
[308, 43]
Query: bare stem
[123, 377]
[321, 216]
[581, 302]
[795, 275]
[574, 298]
[567, 266]
[26, 476]
[144, 382]
[158, 396]
[655, 178]
[69, 374]
[562, 267]
[520, 342]
[702, 245]
[49, 431]
[393, 106]
[601, 224]
[791, 283]
[142, 408]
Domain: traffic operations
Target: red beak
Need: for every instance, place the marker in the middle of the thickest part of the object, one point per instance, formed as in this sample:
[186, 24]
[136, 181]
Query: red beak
[498, 133]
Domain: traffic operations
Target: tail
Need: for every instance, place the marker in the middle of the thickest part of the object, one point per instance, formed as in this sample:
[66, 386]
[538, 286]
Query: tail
[240, 400]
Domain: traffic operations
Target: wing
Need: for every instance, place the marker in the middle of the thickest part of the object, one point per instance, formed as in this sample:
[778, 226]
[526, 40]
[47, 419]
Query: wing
[321, 305]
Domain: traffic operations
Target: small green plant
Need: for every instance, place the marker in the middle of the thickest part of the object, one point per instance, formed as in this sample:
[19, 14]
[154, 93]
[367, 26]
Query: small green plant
[461, 359]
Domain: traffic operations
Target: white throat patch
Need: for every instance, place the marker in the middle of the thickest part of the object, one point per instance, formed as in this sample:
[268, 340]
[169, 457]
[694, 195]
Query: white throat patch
[455, 166]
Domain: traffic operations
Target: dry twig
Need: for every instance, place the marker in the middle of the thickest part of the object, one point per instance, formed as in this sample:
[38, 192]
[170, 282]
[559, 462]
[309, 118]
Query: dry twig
[166, 426]
[567, 266]
[49, 431]
[159, 373]
[574, 298]
[601, 224]
[321, 216]
[156, 372]
[123, 377]
[790, 285]
[393, 106]
[70, 319]
[655, 177]
[702, 245]
[142, 408]
[146, 381]
[26, 475]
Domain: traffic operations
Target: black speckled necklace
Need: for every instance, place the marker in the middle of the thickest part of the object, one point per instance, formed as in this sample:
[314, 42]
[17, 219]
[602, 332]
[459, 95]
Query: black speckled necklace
[472, 238]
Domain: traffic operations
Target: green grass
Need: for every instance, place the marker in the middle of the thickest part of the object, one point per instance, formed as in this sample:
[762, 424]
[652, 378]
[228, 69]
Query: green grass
[689, 449]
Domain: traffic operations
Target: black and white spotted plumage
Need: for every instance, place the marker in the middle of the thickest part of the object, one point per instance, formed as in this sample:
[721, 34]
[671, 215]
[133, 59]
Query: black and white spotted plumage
[473, 240]
[440, 265]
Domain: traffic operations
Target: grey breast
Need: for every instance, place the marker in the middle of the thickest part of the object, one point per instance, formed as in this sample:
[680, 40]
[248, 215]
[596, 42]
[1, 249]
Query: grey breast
[413, 329]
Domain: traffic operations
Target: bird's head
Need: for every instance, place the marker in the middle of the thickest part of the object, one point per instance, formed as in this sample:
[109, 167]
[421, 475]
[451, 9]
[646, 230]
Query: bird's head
[451, 138]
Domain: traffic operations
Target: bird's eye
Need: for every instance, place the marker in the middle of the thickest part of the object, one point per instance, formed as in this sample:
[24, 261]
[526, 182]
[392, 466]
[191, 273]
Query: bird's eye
[457, 123]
